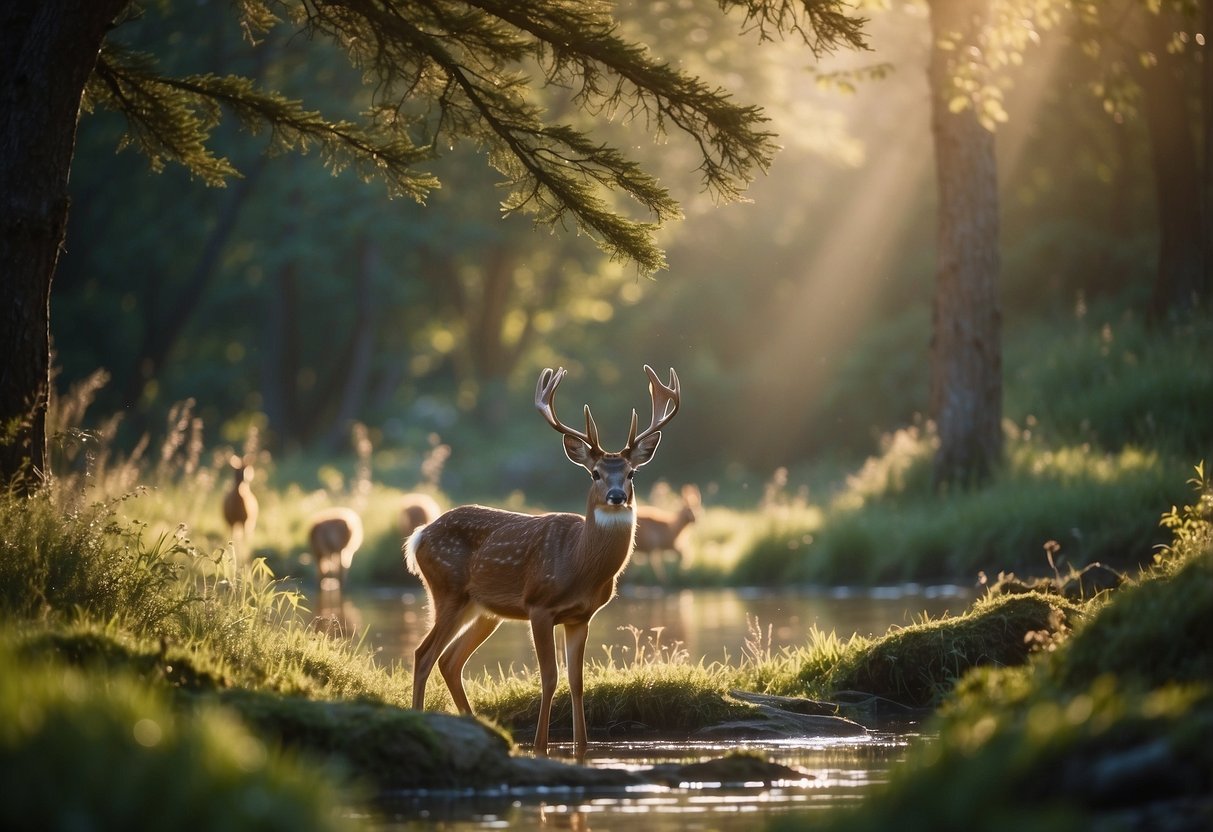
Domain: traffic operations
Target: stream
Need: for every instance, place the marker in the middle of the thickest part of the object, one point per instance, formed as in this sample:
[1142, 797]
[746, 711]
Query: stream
[719, 625]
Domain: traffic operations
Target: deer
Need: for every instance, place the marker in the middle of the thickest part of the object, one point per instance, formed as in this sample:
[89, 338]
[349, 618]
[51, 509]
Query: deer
[480, 565]
[240, 504]
[334, 536]
[416, 509]
[659, 531]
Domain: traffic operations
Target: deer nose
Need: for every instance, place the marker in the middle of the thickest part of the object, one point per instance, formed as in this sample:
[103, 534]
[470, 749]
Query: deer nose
[616, 496]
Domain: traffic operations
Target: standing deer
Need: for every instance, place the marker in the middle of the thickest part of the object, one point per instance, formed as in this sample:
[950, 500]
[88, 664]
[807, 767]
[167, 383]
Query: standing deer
[334, 537]
[240, 506]
[416, 509]
[480, 565]
[659, 531]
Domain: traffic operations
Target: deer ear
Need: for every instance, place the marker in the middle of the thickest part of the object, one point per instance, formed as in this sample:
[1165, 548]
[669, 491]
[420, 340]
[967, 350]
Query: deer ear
[579, 452]
[644, 450]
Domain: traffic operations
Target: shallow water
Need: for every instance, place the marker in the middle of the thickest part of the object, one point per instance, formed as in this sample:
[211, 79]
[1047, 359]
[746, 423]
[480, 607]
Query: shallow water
[835, 773]
[716, 625]
[713, 624]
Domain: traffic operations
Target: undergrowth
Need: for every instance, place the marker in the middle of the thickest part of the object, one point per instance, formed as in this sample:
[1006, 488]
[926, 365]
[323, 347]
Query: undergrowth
[1109, 726]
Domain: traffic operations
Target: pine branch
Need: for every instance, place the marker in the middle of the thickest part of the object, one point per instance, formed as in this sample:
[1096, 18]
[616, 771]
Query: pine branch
[443, 71]
[171, 119]
[823, 25]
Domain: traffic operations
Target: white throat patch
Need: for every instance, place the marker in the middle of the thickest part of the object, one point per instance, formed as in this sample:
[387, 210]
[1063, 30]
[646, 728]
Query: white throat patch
[610, 518]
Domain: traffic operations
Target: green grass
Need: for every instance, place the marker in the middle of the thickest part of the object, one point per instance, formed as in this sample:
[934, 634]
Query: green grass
[82, 749]
[105, 613]
[1096, 506]
[1110, 726]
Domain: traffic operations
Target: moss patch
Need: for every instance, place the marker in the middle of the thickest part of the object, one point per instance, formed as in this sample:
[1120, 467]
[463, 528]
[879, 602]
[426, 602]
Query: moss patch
[918, 665]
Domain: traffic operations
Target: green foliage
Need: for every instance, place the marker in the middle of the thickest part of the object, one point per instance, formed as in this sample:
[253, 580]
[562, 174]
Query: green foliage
[435, 75]
[1106, 380]
[887, 525]
[1157, 631]
[105, 751]
[919, 665]
[1113, 725]
[85, 561]
[171, 119]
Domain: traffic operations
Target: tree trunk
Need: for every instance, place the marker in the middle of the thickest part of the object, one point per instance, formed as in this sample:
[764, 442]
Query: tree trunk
[966, 349]
[1179, 283]
[47, 51]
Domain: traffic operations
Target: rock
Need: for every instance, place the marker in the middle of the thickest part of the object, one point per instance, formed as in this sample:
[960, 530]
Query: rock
[729, 771]
[781, 717]
[791, 704]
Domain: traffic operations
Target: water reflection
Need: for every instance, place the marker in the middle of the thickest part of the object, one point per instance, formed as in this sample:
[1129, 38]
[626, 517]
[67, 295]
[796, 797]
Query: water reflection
[712, 624]
[836, 773]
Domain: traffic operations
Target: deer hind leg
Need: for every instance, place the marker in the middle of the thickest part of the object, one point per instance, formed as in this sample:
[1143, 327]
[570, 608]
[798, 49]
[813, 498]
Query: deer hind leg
[575, 637]
[545, 652]
[457, 653]
[449, 620]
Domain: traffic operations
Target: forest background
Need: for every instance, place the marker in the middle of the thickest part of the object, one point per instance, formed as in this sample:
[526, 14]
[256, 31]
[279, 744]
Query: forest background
[293, 305]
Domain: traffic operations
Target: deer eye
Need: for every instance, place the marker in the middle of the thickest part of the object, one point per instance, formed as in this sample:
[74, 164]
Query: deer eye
[595, 474]
[631, 474]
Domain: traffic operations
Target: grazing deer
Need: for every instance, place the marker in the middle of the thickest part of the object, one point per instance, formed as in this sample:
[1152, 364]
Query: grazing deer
[240, 506]
[416, 509]
[334, 537]
[480, 565]
[659, 531]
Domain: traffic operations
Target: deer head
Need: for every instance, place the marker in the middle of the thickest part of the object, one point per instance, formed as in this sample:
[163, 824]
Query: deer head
[611, 472]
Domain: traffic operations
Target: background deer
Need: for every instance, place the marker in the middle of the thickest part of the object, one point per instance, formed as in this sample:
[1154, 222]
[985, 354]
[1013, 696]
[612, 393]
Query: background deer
[659, 531]
[334, 537]
[417, 509]
[240, 507]
[480, 565]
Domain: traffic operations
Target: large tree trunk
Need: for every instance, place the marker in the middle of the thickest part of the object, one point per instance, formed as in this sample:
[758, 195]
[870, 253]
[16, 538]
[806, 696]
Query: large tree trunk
[47, 51]
[966, 348]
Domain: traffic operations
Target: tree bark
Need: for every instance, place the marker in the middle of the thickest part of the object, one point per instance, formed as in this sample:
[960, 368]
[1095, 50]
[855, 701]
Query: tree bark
[48, 49]
[966, 349]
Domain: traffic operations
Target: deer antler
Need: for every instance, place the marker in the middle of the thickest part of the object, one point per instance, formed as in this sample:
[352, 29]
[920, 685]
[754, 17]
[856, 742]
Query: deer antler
[545, 392]
[666, 400]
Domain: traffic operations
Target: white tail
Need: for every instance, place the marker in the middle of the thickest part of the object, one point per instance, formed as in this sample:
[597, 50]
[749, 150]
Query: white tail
[334, 537]
[480, 565]
[659, 531]
[416, 509]
[240, 507]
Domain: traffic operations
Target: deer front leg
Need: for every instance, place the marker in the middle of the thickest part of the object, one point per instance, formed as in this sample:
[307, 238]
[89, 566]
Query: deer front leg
[575, 636]
[545, 651]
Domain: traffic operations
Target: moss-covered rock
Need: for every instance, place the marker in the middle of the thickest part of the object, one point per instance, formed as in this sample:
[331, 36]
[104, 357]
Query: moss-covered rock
[918, 665]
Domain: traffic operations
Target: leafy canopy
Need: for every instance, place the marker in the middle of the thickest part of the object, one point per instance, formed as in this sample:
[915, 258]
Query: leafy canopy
[442, 71]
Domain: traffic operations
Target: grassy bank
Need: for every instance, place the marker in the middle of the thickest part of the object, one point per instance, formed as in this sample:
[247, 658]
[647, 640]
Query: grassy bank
[1111, 727]
[107, 630]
